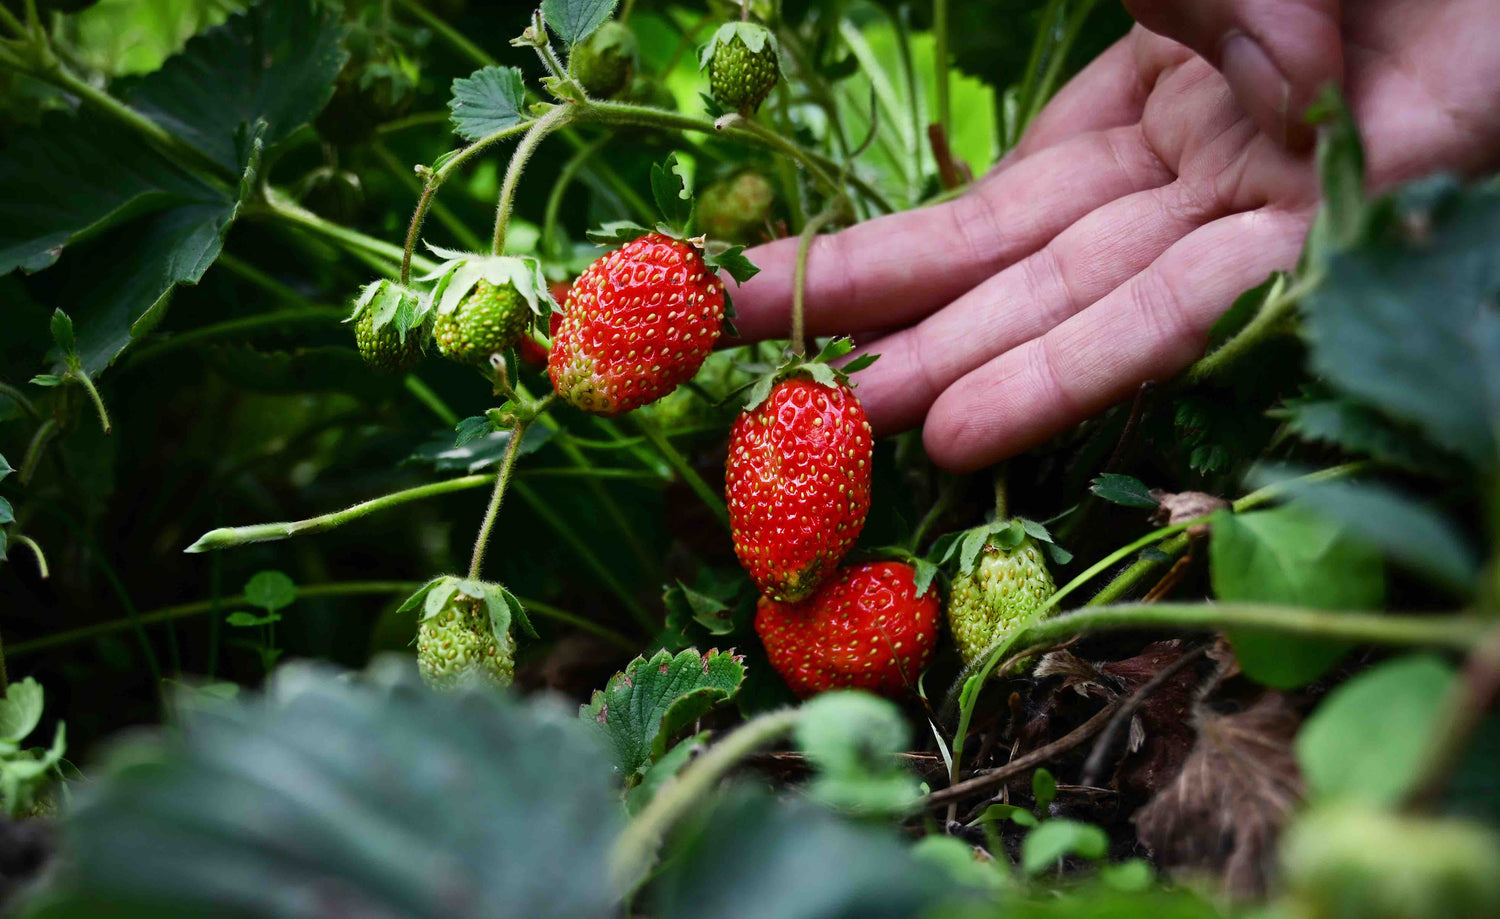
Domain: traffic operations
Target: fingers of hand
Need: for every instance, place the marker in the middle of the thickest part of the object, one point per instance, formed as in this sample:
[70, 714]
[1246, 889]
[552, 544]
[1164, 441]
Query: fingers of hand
[1150, 327]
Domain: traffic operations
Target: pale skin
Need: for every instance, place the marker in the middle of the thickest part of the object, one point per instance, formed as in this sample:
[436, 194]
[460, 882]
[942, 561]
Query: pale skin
[1154, 188]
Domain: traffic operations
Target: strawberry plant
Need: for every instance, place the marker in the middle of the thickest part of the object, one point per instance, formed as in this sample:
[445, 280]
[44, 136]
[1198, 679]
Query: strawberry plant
[549, 378]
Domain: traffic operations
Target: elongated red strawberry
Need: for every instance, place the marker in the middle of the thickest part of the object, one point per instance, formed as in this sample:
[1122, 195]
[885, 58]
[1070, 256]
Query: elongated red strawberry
[638, 322]
[865, 628]
[798, 484]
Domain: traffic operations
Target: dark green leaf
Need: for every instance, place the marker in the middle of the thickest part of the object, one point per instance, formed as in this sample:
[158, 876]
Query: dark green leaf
[755, 856]
[1359, 429]
[712, 613]
[488, 100]
[926, 571]
[391, 799]
[1409, 532]
[1011, 812]
[1369, 739]
[481, 453]
[276, 61]
[1052, 840]
[759, 392]
[664, 770]
[1289, 557]
[575, 20]
[62, 331]
[5, 467]
[640, 708]
[471, 429]
[1408, 323]
[271, 591]
[1123, 489]
[6, 513]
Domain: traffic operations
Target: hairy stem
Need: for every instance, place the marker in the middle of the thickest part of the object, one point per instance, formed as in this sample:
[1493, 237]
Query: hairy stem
[1043, 89]
[798, 344]
[940, 64]
[635, 850]
[539, 130]
[36, 551]
[507, 466]
[98, 400]
[228, 537]
[1273, 316]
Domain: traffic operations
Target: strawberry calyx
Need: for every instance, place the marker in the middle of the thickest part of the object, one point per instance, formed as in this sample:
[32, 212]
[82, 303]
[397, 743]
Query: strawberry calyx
[965, 546]
[502, 605]
[390, 304]
[818, 367]
[460, 271]
[754, 35]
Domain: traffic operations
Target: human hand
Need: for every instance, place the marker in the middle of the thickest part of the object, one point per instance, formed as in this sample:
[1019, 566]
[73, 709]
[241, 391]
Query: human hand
[1139, 204]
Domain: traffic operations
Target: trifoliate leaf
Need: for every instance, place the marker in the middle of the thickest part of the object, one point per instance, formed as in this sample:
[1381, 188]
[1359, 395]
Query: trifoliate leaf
[488, 100]
[640, 708]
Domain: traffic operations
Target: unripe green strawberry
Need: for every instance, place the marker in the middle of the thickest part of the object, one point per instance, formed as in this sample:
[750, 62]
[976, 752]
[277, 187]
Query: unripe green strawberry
[605, 61]
[735, 209]
[383, 348]
[1005, 590]
[487, 321]
[742, 66]
[457, 646]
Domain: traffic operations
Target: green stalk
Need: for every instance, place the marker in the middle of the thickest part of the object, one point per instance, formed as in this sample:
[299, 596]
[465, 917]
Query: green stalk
[228, 537]
[19, 398]
[560, 187]
[83, 380]
[507, 466]
[427, 397]
[798, 345]
[317, 315]
[540, 129]
[635, 850]
[36, 551]
[1039, 45]
[940, 62]
[460, 230]
[280, 206]
[1043, 90]
[710, 498]
[447, 33]
[743, 132]
[1278, 309]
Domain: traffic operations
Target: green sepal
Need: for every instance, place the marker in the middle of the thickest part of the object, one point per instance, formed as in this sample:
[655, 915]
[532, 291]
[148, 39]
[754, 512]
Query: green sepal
[732, 260]
[390, 303]
[562, 89]
[415, 600]
[817, 367]
[461, 271]
[1008, 534]
[754, 36]
[672, 190]
[617, 232]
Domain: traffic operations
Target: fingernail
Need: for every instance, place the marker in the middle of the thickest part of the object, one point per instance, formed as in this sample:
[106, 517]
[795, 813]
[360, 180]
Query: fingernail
[1257, 83]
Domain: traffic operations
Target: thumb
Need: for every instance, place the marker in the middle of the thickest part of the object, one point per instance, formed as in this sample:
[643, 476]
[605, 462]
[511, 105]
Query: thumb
[1276, 54]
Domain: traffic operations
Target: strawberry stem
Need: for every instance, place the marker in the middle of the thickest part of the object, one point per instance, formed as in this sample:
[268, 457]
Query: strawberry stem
[798, 345]
[507, 465]
[539, 129]
[1000, 492]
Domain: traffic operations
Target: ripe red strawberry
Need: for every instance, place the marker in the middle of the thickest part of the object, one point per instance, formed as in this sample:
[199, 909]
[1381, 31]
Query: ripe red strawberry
[866, 628]
[639, 321]
[798, 483]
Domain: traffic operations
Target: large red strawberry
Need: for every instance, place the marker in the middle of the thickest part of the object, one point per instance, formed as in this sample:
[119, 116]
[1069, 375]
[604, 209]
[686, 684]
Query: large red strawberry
[866, 628]
[798, 482]
[638, 322]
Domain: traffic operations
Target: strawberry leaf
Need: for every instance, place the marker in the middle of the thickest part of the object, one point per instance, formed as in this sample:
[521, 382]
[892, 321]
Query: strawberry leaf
[471, 429]
[1122, 489]
[641, 708]
[575, 20]
[488, 100]
[859, 363]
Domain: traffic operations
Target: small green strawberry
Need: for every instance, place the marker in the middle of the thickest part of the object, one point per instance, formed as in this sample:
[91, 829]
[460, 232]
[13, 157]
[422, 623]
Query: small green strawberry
[742, 64]
[736, 209]
[1005, 589]
[382, 348]
[488, 321]
[457, 646]
[464, 635]
[605, 61]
